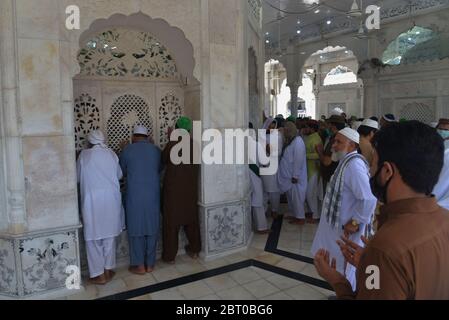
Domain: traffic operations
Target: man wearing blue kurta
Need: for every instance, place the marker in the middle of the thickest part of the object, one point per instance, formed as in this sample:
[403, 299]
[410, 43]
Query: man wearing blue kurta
[141, 164]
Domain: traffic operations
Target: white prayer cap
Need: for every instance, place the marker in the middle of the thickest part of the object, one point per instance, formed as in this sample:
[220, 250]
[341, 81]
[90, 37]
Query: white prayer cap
[371, 123]
[434, 124]
[141, 130]
[96, 137]
[337, 112]
[389, 118]
[351, 134]
[356, 125]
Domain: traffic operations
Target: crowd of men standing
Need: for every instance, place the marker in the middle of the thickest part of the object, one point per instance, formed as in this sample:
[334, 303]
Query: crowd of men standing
[105, 214]
[351, 177]
[379, 192]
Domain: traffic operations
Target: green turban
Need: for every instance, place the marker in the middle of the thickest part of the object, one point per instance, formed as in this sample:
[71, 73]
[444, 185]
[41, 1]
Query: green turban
[184, 123]
[291, 119]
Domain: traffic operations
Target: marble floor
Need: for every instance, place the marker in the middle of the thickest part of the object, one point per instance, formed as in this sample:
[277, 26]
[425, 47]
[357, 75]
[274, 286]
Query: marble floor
[284, 272]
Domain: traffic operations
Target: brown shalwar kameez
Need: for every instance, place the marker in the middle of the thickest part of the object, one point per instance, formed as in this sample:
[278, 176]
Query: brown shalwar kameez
[411, 250]
[180, 205]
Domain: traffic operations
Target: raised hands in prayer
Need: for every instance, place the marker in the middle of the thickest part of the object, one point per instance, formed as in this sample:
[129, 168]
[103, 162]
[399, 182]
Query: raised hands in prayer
[351, 250]
[326, 268]
[350, 229]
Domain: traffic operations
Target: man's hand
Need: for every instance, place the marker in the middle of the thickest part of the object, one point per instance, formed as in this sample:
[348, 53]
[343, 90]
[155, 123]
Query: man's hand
[351, 251]
[350, 229]
[295, 181]
[327, 269]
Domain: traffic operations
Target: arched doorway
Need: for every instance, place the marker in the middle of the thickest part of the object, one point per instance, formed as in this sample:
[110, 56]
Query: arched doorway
[335, 82]
[277, 89]
[129, 76]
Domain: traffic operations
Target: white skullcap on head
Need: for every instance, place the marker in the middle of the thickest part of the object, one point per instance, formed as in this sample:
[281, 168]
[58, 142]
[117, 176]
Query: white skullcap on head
[356, 125]
[351, 134]
[371, 123]
[389, 118]
[96, 137]
[141, 130]
[337, 112]
[434, 124]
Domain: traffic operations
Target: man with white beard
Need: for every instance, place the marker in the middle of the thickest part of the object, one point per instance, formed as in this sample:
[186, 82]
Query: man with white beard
[101, 205]
[349, 204]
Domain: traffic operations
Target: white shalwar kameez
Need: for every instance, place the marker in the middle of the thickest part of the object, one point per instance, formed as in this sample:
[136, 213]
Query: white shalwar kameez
[270, 182]
[441, 190]
[101, 205]
[257, 195]
[294, 165]
[357, 203]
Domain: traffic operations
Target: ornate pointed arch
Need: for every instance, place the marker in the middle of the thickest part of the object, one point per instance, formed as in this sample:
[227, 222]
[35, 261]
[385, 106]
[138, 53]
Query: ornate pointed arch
[171, 38]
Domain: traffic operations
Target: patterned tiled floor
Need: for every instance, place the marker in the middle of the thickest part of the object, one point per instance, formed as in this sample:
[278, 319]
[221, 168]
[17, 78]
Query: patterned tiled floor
[248, 283]
[245, 284]
[297, 239]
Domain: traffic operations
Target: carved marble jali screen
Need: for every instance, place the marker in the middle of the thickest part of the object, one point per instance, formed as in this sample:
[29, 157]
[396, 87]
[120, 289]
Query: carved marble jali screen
[127, 77]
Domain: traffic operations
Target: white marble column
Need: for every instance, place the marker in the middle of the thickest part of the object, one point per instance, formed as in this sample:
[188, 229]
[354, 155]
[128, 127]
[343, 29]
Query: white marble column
[225, 212]
[371, 101]
[15, 182]
[294, 97]
[38, 161]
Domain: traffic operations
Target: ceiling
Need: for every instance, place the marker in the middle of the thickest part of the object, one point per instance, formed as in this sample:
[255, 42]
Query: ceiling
[281, 17]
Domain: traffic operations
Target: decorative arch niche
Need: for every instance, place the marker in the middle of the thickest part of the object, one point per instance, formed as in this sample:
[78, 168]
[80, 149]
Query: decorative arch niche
[171, 37]
[132, 70]
[340, 75]
[126, 53]
[131, 56]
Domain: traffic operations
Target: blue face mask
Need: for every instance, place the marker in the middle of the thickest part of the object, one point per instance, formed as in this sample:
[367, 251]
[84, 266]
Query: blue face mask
[444, 134]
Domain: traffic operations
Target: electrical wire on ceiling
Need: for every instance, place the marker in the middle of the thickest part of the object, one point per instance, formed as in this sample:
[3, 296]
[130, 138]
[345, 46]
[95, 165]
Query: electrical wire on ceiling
[313, 7]
[310, 9]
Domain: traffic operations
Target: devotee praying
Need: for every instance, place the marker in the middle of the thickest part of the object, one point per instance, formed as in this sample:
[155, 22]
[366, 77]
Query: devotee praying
[270, 182]
[328, 161]
[292, 174]
[348, 205]
[367, 130]
[258, 205]
[141, 165]
[99, 173]
[387, 119]
[313, 143]
[410, 250]
[180, 199]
